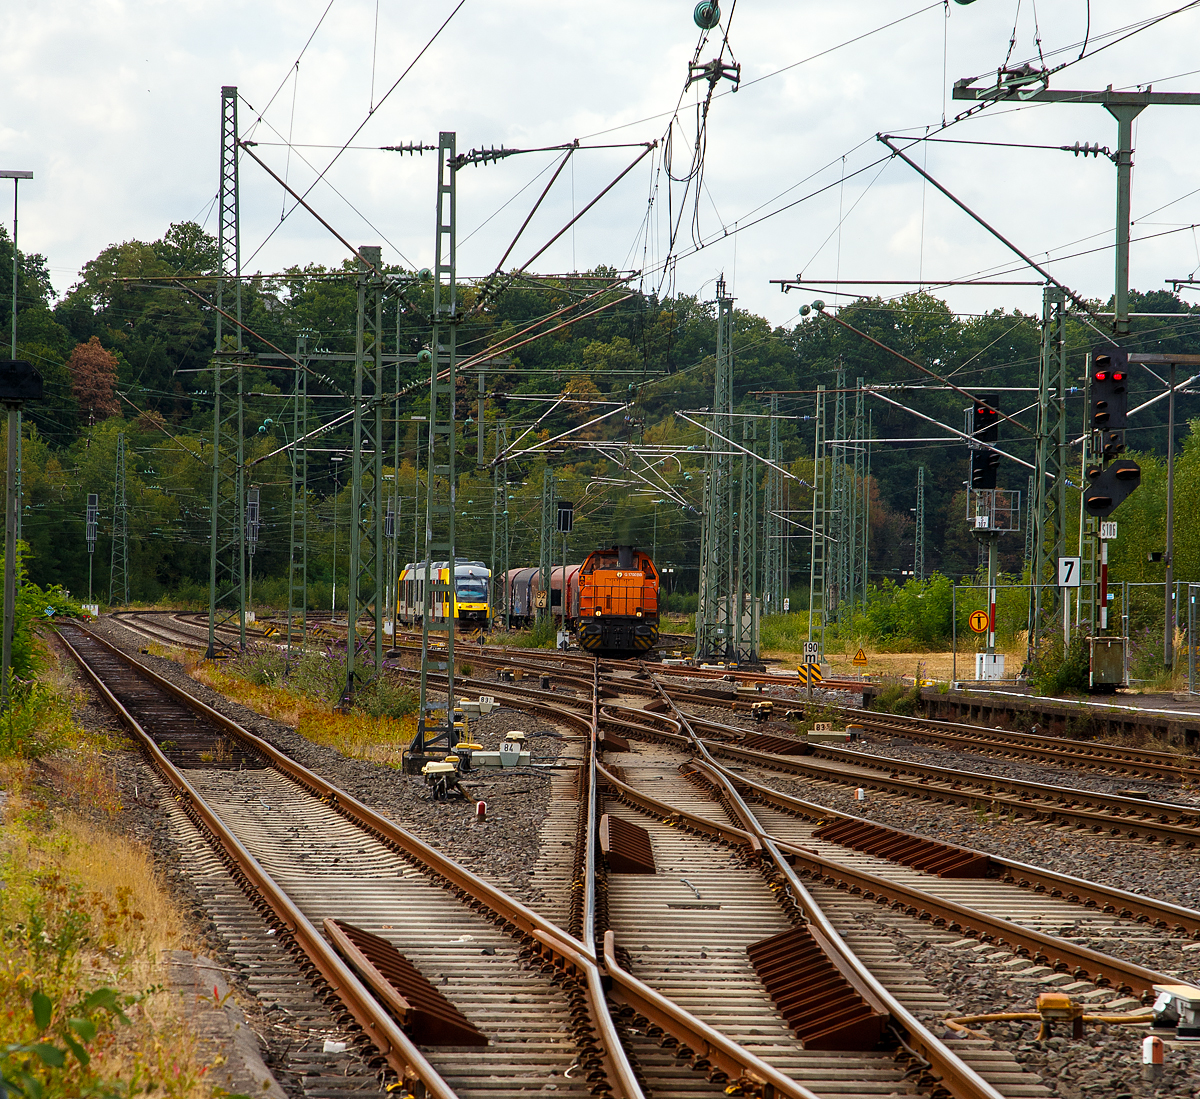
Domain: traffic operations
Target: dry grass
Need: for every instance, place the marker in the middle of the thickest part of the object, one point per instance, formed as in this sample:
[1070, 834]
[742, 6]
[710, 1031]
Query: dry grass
[82, 911]
[936, 665]
[378, 739]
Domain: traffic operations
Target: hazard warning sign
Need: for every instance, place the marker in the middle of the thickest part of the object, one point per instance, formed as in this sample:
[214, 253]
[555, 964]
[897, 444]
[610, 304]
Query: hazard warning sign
[978, 621]
[860, 659]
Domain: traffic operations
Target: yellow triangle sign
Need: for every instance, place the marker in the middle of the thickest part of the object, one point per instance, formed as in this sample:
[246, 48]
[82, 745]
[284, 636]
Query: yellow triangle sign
[860, 659]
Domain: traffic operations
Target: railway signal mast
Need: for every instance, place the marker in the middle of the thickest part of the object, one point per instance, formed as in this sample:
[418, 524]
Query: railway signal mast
[1029, 85]
[991, 511]
[436, 733]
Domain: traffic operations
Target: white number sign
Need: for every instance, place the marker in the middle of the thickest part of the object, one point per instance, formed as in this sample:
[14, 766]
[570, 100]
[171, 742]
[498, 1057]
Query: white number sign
[1108, 529]
[812, 652]
[1069, 572]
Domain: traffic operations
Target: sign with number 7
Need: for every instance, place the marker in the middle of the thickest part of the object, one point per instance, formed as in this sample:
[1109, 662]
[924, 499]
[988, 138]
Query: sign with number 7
[1069, 572]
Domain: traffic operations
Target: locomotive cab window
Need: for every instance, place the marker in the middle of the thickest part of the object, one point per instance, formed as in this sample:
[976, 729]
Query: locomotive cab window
[472, 589]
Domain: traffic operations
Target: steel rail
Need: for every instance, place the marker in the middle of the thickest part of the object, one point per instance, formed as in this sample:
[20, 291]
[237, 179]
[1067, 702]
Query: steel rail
[742, 1067]
[1150, 763]
[1085, 808]
[1163, 915]
[565, 950]
[1187, 815]
[670, 814]
[1060, 955]
[592, 825]
[962, 1081]
[400, 1053]
[619, 1067]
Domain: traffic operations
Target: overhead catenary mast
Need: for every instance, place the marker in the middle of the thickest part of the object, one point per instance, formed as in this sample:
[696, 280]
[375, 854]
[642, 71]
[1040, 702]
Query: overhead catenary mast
[436, 734]
[227, 531]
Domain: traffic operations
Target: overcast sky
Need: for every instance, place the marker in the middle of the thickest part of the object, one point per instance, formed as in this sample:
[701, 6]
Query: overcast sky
[114, 104]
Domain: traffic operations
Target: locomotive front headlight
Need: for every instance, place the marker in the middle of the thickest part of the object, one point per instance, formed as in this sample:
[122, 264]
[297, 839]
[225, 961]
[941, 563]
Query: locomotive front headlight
[639, 614]
[597, 612]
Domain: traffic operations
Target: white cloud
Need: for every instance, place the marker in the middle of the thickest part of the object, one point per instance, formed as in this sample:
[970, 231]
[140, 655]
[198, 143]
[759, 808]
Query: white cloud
[115, 107]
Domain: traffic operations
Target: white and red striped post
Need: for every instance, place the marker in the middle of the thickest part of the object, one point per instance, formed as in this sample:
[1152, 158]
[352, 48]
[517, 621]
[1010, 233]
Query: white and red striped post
[1152, 1057]
[1103, 584]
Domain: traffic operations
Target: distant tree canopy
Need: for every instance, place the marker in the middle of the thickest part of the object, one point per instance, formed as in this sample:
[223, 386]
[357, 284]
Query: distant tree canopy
[130, 349]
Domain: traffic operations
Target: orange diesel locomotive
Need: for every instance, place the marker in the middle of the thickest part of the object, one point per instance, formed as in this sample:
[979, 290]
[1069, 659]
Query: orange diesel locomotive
[618, 601]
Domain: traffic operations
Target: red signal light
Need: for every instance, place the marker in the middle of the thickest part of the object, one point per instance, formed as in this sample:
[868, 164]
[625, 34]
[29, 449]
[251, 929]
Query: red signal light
[1118, 376]
[1102, 375]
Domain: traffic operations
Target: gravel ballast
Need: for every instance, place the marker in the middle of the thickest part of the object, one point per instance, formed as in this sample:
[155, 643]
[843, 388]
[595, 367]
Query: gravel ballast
[502, 848]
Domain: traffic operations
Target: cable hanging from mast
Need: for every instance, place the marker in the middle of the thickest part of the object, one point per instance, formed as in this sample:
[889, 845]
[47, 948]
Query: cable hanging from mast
[707, 16]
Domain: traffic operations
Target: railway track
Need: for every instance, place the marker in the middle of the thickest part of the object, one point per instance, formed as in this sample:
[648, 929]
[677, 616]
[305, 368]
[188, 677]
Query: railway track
[1164, 766]
[741, 864]
[1098, 811]
[1043, 899]
[1131, 815]
[311, 853]
[315, 857]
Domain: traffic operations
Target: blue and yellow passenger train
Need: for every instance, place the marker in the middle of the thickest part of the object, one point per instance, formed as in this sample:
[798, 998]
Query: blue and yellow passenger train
[466, 602]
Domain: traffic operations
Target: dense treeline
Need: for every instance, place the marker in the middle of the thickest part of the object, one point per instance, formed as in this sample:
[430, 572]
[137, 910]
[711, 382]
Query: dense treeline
[129, 349]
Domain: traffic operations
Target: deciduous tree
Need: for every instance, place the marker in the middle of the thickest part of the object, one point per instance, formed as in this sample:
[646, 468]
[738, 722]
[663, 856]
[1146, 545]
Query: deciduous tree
[93, 372]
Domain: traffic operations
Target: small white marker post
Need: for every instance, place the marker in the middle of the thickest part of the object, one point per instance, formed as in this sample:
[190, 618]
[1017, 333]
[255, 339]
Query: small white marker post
[1152, 1057]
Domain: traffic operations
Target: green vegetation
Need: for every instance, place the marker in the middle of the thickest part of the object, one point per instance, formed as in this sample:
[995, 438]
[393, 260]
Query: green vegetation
[83, 939]
[1058, 669]
[541, 635]
[898, 698]
[135, 358]
[319, 675]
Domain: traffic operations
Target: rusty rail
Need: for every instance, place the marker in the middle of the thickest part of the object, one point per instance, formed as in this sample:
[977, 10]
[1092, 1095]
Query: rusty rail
[1105, 898]
[962, 1081]
[741, 1066]
[1059, 954]
[393, 1044]
[1147, 763]
[1083, 808]
[565, 951]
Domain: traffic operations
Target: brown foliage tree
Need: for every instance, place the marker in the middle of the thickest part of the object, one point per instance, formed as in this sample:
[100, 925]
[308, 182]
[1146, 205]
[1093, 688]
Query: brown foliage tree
[94, 380]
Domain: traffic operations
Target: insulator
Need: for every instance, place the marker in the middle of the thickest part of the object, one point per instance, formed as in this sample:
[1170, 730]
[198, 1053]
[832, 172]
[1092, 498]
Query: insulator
[707, 14]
